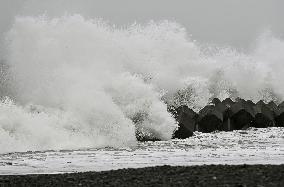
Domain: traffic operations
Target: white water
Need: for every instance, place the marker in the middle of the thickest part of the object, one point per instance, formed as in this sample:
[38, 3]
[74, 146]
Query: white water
[254, 146]
[76, 83]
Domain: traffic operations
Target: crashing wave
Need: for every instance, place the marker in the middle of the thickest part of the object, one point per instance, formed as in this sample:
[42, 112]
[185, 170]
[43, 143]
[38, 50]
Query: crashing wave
[97, 85]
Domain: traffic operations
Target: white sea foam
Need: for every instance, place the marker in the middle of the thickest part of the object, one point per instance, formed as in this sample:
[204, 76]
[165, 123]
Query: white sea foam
[92, 85]
[252, 146]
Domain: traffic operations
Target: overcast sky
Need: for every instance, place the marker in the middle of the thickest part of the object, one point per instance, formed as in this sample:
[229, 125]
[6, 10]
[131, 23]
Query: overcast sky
[229, 22]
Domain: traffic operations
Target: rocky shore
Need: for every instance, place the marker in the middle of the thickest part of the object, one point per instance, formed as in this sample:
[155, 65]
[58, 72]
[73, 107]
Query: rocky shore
[207, 175]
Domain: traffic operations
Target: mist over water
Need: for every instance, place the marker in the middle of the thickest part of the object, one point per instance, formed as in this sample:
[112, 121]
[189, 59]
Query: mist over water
[71, 82]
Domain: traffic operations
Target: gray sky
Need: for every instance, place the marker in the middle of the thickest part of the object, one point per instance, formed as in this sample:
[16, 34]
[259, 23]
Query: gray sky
[229, 22]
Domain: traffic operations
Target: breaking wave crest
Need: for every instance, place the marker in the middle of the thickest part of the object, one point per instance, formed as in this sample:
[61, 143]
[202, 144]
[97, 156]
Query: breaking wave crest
[70, 83]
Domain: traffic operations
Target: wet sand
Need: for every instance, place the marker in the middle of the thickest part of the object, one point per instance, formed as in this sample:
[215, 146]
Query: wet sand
[207, 175]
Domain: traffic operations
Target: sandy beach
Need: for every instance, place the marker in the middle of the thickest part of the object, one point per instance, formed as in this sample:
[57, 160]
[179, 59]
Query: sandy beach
[210, 175]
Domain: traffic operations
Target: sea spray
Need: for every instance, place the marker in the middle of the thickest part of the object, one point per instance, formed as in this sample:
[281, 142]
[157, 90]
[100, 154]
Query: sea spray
[36, 128]
[95, 85]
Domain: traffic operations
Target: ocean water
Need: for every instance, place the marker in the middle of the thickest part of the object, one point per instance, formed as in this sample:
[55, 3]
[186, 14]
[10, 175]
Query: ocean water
[71, 83]
[253, 146]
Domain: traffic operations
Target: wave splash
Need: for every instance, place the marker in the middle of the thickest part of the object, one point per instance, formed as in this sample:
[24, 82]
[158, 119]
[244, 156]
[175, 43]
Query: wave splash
[77, 83]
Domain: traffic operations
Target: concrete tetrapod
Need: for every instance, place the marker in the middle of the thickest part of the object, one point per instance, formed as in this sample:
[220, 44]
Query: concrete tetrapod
[263, 116]
[241, 115]
[280, 117]
[274, 108]
[224, 108]
[187, 122]
[209, 119]
[228, 102]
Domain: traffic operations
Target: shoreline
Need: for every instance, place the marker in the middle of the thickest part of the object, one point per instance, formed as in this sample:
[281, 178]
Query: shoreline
[205, 175]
